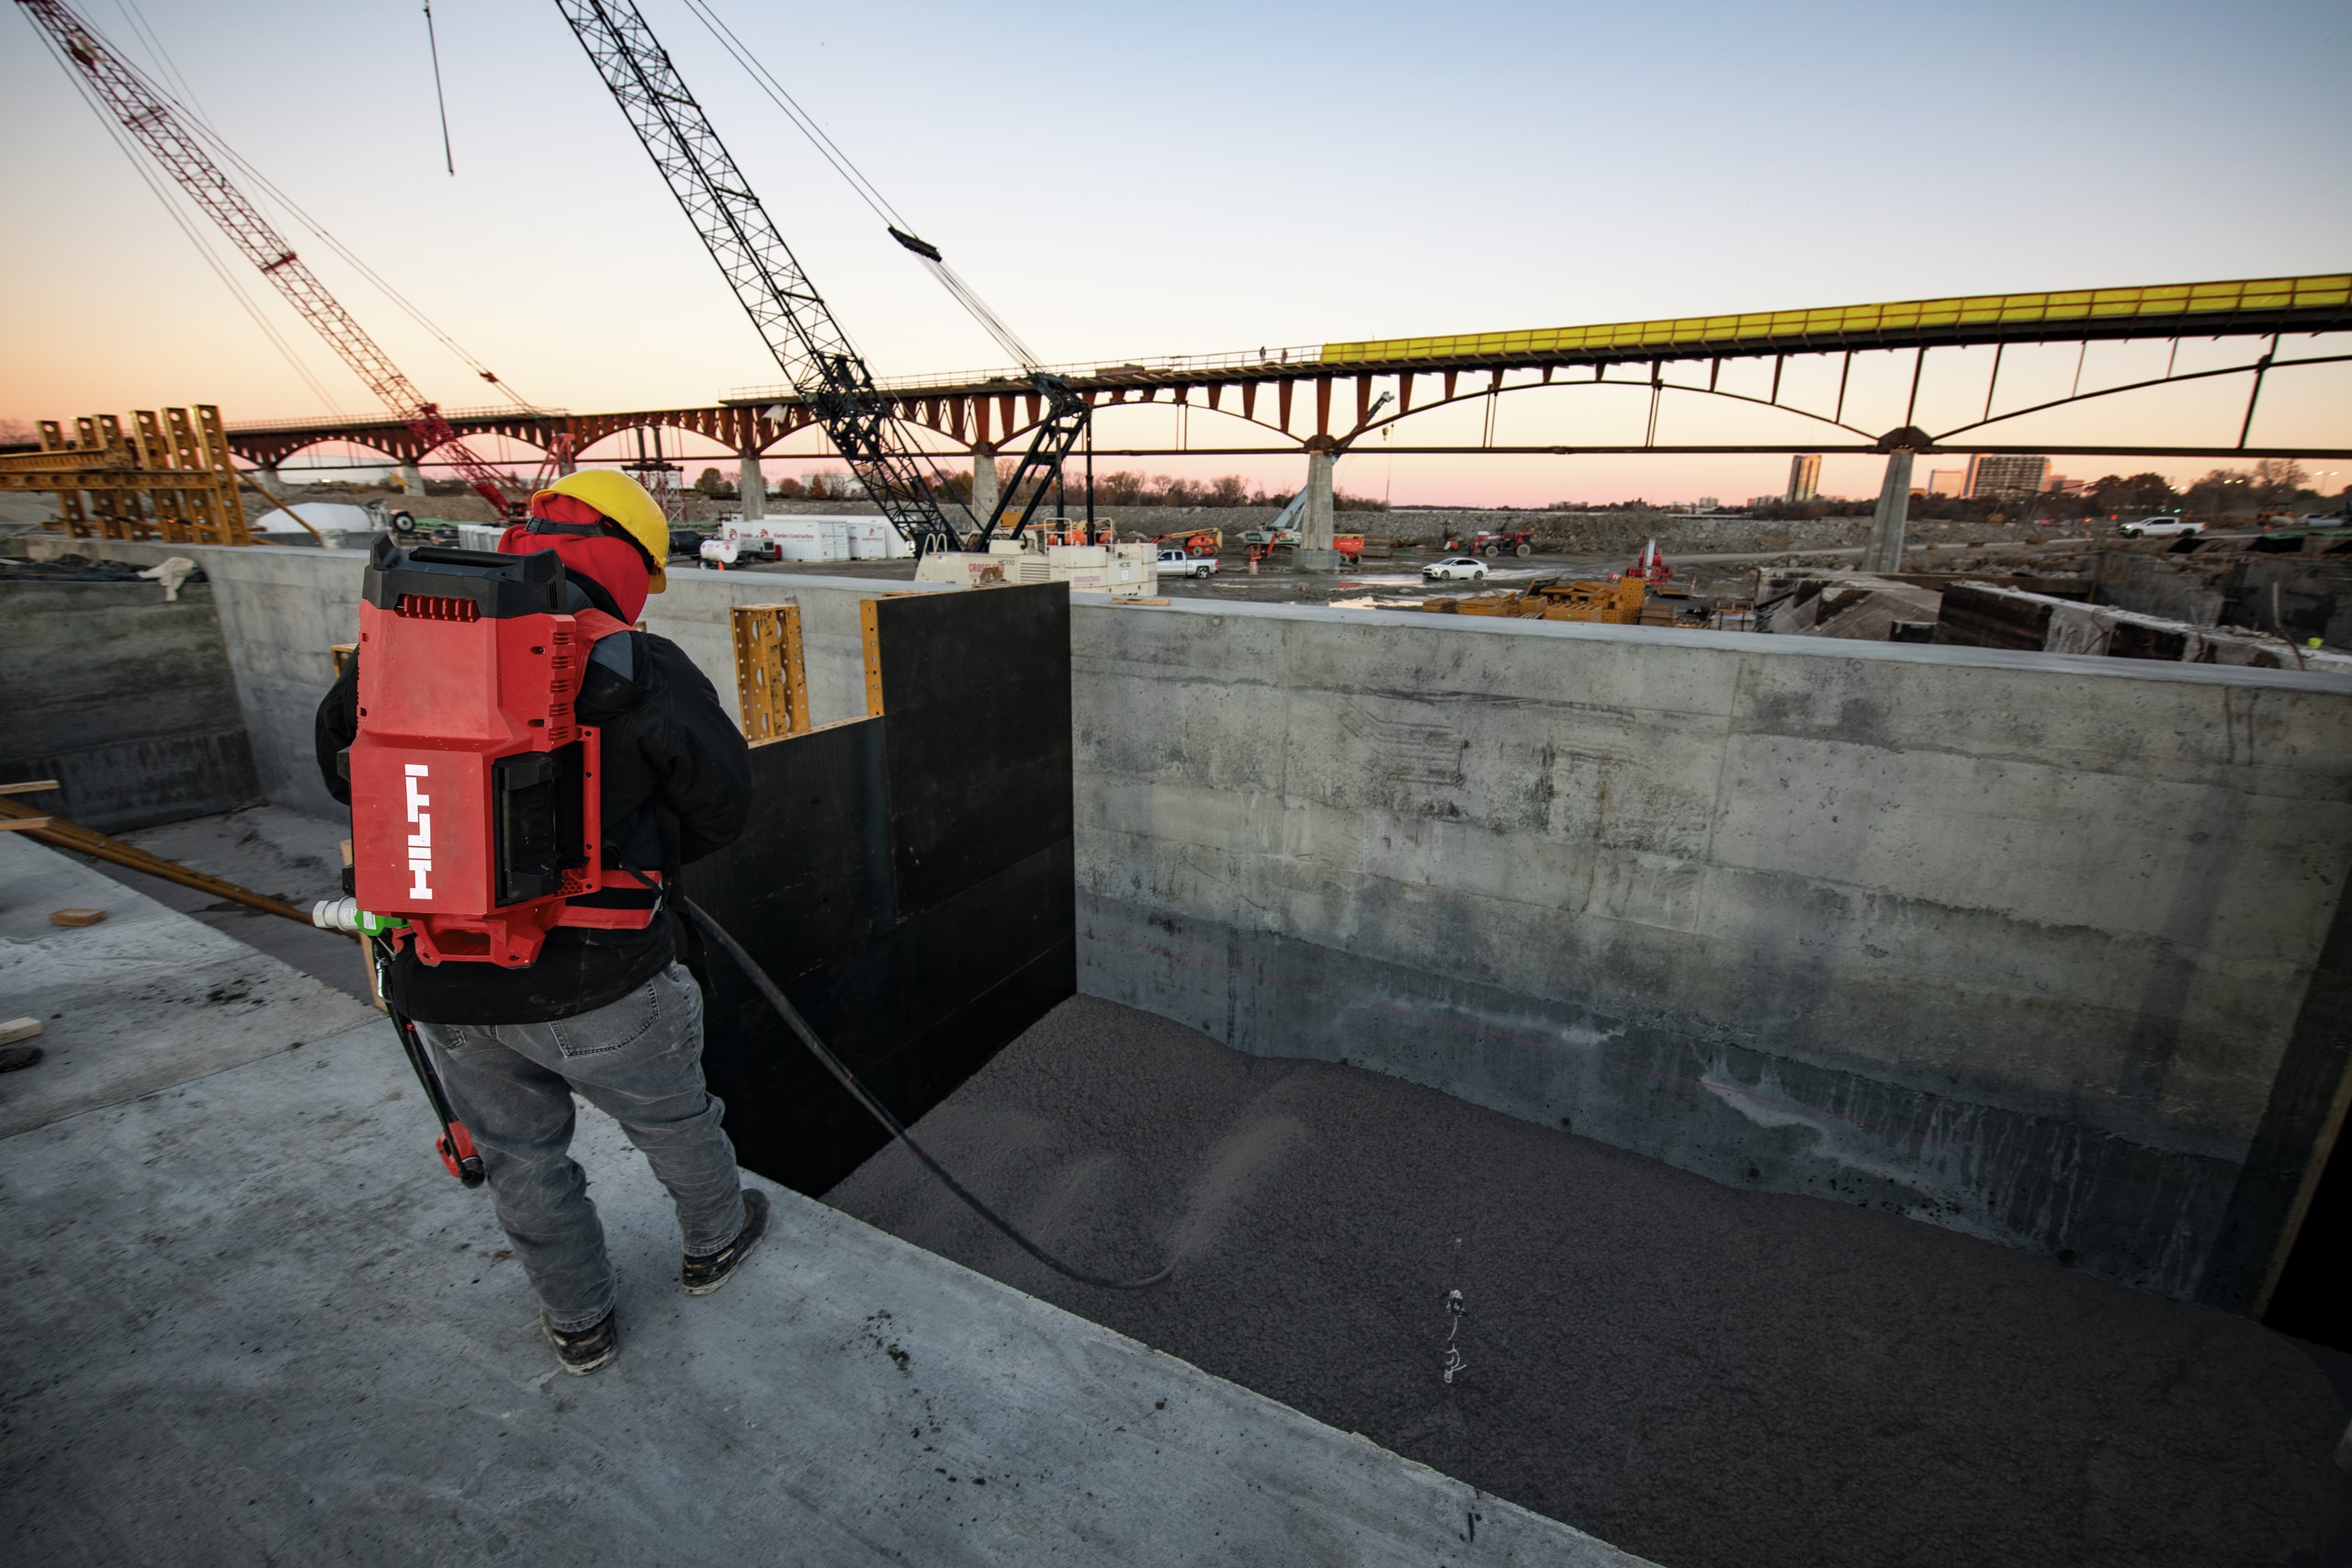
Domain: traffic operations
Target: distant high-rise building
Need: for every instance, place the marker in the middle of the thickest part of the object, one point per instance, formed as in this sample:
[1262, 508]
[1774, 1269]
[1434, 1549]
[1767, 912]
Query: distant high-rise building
[1805, 477]
[2006, 473]
[1947, 481]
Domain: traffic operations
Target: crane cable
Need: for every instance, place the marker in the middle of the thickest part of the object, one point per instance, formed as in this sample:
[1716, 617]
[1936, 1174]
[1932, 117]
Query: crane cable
[194, 118]
[827, 148]
[440, 100]
[171, 209]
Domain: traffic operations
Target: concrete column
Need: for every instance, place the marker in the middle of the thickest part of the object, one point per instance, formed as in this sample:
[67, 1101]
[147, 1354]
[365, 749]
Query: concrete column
[266, 476]
[752, 485]
[983, 482]
[1884, 552]
[1315, 552]
[412, 479]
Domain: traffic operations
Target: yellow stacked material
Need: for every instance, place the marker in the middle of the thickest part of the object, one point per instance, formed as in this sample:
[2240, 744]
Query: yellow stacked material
[1496, 605]
[1612, 603]
[167, 478]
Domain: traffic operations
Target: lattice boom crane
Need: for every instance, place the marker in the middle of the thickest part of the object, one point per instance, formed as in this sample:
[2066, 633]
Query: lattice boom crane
[791, 316]
[144, 113]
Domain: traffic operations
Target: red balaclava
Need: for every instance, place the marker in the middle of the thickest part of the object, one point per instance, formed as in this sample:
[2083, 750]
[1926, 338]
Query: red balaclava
[616, 565]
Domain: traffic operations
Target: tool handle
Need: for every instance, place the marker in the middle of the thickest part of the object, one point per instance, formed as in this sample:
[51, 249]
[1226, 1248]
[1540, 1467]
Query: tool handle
[456, 1146]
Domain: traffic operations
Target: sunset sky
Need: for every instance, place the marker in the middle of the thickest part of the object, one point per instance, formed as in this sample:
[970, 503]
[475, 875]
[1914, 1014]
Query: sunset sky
[1123, 181]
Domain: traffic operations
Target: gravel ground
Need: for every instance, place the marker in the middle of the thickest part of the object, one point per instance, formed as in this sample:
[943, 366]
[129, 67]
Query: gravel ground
[1708, 1377]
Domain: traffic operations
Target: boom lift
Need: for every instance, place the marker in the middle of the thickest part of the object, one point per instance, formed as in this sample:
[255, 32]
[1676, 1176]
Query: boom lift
[793, 319]
[148, 115]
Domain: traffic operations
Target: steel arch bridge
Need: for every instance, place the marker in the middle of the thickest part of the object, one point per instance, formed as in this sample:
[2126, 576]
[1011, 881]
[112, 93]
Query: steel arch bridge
[1329, 397]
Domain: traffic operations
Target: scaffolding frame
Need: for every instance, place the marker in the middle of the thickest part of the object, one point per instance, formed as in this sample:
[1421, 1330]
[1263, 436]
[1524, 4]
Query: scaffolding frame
[169, 479]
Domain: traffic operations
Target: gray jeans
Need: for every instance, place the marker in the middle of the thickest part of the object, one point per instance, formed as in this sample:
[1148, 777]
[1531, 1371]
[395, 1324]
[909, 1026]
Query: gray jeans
[639, 1061]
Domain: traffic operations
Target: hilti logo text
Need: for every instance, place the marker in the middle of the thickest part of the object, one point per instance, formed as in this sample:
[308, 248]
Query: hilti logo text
[420, 839]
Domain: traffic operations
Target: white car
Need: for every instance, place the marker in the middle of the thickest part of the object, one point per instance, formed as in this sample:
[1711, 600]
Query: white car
[1183, 565]
[2159, 528]
[1456, 569]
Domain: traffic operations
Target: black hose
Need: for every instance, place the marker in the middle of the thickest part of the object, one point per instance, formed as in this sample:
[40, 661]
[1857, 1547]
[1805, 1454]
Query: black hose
[881, 1112]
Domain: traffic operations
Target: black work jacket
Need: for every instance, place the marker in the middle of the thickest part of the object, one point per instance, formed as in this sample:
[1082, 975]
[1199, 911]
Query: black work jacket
[677, 785]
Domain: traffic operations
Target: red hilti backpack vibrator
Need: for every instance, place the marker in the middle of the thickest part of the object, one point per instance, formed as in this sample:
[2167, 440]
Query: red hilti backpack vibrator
[474, 796]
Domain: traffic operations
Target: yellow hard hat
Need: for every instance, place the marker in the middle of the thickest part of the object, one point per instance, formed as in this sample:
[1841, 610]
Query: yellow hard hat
[626, 503]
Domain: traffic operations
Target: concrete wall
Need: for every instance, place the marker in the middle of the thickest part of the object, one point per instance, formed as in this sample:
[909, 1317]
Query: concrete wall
[124, 698]
[2016, 943]
[2296, 596]
[2033, 946]
[281, 611]
[2153, 585]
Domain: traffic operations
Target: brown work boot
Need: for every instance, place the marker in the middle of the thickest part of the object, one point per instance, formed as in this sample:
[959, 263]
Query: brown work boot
[591, 1347]
[700, 1276]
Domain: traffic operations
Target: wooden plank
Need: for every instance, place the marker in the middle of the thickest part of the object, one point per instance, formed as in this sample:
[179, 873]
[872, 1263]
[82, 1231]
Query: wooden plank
[32, 786]
[64, 835]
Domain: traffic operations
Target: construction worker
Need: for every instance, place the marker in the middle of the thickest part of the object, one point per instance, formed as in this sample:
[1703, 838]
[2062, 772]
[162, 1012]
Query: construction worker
[611, 1014]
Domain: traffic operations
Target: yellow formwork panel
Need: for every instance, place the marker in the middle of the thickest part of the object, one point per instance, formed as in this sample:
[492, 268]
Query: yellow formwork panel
[771, 676]
[1715, 333]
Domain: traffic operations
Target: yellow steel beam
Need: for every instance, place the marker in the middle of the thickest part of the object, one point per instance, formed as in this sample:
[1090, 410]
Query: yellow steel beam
[2305, 304]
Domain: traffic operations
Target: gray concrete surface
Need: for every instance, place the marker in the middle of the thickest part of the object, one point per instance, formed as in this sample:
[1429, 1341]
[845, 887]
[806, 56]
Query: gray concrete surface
[247, 1319]
[124, 697]
[1713, 1378]
[274, 849]
[145, 1000]
[2025, 945]
[2015, 943]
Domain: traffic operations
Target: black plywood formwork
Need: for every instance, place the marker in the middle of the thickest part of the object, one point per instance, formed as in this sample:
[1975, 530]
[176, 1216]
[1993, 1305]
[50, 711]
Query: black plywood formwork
[979, 765]
[906, 878]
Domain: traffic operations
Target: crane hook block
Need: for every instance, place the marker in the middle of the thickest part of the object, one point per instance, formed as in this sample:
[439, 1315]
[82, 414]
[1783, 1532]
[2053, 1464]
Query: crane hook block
[922, 248]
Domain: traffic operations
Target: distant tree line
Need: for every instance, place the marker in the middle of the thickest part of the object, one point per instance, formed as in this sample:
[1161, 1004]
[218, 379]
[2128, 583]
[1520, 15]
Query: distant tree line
[716, 486]
[1126, 487]
[2273, 484]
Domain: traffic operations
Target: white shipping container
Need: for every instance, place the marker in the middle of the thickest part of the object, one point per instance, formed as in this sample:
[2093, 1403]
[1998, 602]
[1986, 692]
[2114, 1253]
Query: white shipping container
[811, 538]
[803, 538]
[877, 538]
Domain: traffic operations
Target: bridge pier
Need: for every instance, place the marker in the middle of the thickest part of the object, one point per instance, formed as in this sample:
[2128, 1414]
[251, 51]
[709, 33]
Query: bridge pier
[983, 481]
[266, 476]
[1315, 552]
[1884, 552]
[412, 480]
[752, 485]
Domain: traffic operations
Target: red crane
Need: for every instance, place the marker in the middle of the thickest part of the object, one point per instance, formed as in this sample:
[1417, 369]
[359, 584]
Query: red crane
[148, 115]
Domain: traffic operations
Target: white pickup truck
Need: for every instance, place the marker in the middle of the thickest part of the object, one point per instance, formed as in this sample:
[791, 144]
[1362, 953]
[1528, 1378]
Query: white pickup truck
[2159, 528]
[1182, 565]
